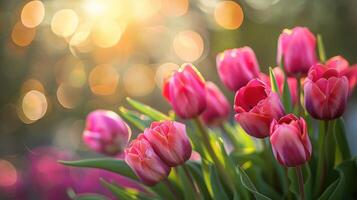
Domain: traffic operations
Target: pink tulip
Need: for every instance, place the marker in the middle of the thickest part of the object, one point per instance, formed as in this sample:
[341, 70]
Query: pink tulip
[297, 47]
[236, 67]
[279, 76]
[256, 106]
[186, 92]
[146, 164]
[106, 132]
[326, 92]
[218, 107]
[342, 65]
[290, 141]
[169, 141]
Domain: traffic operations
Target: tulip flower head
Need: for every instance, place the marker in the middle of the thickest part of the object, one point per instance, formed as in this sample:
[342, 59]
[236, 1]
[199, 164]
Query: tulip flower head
[256, 106]
[169, 141]
[236, 67]
[290, 141]
[297, 48]
[326, 92]
[106, 132]
[146, 164]
[218, 107]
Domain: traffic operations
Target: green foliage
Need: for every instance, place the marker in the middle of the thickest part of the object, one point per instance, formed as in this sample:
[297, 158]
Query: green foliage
[321, 48]
[147, 110]
[140, 121]
[273, 82]
[126, 193]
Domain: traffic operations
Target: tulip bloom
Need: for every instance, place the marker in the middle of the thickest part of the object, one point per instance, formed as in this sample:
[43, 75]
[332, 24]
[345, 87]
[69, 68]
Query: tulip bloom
[342, 65]
[279, 77]
[290, 141]
[186, 92]
[297, 48]
[146, 164]
[326, 92]
[169, 141]
[236, 67]
[256, 106]
[106, 132]
[218, 107]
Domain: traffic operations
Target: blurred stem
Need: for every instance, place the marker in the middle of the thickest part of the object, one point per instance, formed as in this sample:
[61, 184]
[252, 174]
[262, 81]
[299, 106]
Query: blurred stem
[300, 108]
[192, 182]
[300, 181]
[342, 139]
[226, 128]
[171, 188]
[206, 141]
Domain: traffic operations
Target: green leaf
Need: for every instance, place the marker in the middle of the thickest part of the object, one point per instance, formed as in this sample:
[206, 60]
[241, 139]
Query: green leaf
[321, 48]
[140, 121]
[273, 82]
[90, 196]
[125, 193]
[244, 139]
[247, 183]
[287, 100]
[109, 164]
[185, 184]
[340, 135]
[217, 188]
[195, 170]
[147, 110]
[294, 187]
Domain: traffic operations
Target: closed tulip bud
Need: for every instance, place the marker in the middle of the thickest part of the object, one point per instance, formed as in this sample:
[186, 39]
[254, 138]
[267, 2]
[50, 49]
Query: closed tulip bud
[341, 64]
[106, 132]
[236, 67]
[218, 107]
[169, 141]
[297, 48]
[256, 106]
[290, 141]
[146, 164]
[186, 92]
[326, 92]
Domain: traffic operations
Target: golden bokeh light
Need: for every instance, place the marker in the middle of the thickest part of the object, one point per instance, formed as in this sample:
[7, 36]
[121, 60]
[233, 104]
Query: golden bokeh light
[103, 80]
[34, 105]
[164, 71]
[77, 77]
[32, 14]
[95, 8]
[64, 22]
[107, 33]
[188, 45]
[139, 80]
[145, 9]
[32, 84]
[229, 15]
[8, 174]
[21, 35]
[68, 96]
[174, 8]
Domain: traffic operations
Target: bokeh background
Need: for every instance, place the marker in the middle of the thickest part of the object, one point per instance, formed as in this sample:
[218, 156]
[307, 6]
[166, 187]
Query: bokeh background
[60, 59]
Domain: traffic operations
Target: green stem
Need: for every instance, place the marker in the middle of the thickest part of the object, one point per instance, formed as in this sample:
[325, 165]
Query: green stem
[192, 182]
[171, 188]
[299, 90]
[300, 181]
[227, 130]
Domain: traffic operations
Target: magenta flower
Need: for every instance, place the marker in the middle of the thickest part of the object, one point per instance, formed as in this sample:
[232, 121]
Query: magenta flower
[236, 67]
[170, 142]
[256, 106]
[326, 92]
[297, 47]
[290, 141]
[106, 132]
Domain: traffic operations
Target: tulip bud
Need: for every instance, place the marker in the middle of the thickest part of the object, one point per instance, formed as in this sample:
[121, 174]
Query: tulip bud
[236, 67]
[146, 164]
[106, 132]
[341, 64]
[186, 92]
[297, 48]
[218, 107]
[256, 106]
[326, 92]
[170, 142]
[290, 141]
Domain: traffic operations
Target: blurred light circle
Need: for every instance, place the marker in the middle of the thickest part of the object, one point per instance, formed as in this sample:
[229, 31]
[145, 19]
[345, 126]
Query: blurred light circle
[34, 105]
[32, 84]
[145, 9]
[229, 14]
[188, 45]
[107, 33]
[21, 35]
[64, 22]
[32, 14]
[95, 8]
[103, 80]
[8, 174]
[68, 96]
[174, 8]
[165, 71]
[139, 80]
[77, 77]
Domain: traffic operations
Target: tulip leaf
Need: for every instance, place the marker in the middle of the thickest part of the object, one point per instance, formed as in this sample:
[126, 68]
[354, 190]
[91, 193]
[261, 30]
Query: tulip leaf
[340, 135]
[321, 48]
[273, 82]
[244, 139]
[216, 185]
[195, 169]
[89, 196]
[294, 187]
[140, 121]
[147, 110]
[248, 184]
[109, 164]
[185, 184]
